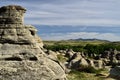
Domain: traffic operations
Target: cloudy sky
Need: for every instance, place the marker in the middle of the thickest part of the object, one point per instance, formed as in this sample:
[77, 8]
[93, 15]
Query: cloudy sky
[76, 18]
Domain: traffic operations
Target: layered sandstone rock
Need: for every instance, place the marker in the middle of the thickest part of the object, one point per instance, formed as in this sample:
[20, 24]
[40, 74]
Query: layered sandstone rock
[21, 54]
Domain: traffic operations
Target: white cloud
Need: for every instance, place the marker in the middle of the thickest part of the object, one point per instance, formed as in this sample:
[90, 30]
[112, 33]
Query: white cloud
[72, 12]
[80, 12]
[74, 22]
[84, 35]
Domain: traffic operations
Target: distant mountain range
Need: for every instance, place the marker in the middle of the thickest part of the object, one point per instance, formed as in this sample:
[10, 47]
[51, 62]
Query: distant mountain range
[81, 39]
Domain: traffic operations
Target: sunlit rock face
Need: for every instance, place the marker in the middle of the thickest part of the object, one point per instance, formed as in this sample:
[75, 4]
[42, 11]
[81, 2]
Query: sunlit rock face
[21, 54]
[12, 28]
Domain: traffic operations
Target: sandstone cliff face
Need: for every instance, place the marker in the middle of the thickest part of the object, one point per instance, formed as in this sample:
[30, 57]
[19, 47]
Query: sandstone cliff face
[21, 54]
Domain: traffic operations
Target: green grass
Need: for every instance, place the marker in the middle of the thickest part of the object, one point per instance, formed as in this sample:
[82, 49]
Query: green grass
[76, 75]
[73, 43]
[61, 58]
[102, 74]
[90, 69]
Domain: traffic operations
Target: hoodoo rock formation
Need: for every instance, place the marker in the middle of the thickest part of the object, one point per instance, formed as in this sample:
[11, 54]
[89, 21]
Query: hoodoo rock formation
[21, 54]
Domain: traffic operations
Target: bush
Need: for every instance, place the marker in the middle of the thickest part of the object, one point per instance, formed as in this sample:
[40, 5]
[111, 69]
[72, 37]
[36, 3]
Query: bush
[88, 48]
[58, 47]
[61, 58]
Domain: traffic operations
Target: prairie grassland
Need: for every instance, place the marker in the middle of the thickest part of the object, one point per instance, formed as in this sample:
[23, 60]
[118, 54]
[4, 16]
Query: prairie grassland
[73, 43]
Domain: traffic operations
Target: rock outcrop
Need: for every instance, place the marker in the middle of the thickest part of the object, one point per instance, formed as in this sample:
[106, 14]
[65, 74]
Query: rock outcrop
[115, 72]
[21, 54]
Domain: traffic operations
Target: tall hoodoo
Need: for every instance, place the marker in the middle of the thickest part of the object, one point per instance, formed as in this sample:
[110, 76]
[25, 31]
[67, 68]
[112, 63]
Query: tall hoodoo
[21, 54]
[12, 14]
[12, 28]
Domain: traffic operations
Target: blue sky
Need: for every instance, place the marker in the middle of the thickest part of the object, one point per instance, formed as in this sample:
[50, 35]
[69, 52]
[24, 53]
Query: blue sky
[90, 17]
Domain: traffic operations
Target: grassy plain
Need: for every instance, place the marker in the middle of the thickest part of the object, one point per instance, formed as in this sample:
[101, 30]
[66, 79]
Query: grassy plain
[74, 43]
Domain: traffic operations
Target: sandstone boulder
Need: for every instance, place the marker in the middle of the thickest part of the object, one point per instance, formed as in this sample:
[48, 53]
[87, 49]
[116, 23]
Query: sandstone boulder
[91, 62]
[76, 64]
[99, 64]
[83, 62]
[69, 53]
[51, 54]
[115, 72]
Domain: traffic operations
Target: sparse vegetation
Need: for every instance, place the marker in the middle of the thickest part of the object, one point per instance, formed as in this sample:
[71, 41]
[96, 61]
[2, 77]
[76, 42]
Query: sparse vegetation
[61, 58]
[88, 47]
[89, 69]
[77, 75]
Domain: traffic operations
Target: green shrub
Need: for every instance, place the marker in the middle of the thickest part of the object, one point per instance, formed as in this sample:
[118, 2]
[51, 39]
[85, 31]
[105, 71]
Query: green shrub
[61, 58]
[88, 49]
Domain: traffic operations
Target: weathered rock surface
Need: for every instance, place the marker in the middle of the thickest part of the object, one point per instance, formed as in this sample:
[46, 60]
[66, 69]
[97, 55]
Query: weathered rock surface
[21, 54]
[51, 54]
[115, 72]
